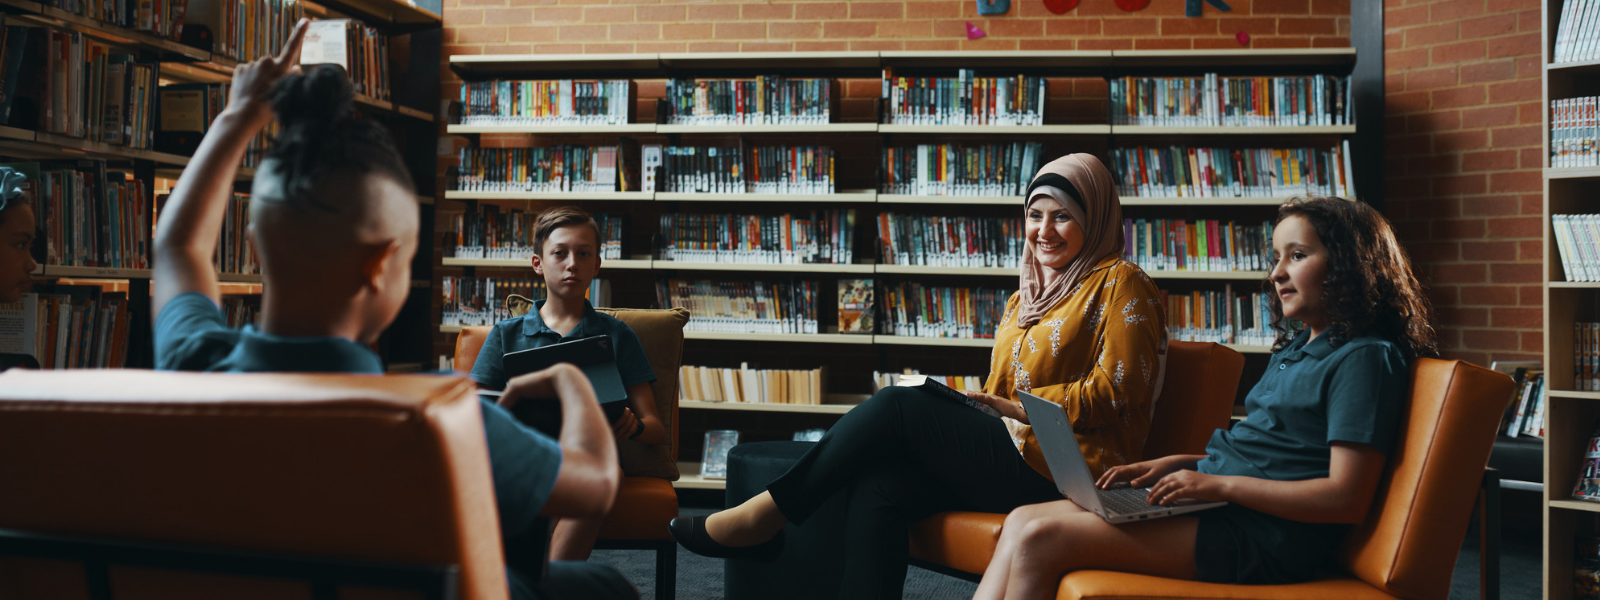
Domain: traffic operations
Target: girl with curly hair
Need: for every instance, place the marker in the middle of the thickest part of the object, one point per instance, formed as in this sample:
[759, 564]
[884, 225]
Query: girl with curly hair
[1303, 465]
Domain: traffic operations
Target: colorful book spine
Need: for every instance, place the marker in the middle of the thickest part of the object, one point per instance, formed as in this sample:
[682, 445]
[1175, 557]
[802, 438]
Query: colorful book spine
[764, 100]
[959, 169]
[547, 102]
[912, 309]
[1214, 101]
[946, 241]
[964, 100]
[789, 238]
[1206, 245]
[1220, 316]
[1177, 171]
[743, 306]
[565, 168]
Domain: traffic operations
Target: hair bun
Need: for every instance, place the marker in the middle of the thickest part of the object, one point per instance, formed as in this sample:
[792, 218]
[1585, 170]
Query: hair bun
[316, 97]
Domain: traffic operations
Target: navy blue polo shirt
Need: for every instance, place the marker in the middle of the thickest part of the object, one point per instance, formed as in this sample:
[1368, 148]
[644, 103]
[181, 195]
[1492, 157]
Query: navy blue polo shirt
[192, 334]
[529, 331]
[1313, 394]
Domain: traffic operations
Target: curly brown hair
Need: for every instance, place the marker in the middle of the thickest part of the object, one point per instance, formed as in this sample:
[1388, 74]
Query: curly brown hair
[1370, 289]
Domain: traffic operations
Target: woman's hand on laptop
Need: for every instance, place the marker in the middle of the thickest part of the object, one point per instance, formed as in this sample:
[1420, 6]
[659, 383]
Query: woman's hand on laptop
[1001, 405]
[1147, 473]
[1188, 485]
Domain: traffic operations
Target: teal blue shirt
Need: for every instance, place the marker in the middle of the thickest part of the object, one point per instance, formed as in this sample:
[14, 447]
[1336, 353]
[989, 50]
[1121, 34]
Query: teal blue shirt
[529, 331]
[1314, 394]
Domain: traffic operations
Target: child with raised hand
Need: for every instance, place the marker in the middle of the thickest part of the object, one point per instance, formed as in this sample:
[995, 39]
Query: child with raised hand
[567, 255]
[17, 226]
[334, 220]
[1303, 465]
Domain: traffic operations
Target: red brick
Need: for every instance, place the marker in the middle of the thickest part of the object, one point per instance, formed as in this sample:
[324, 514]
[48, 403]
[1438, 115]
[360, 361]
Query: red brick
[1490, 71]
[821, 10]
[1014, 28]
[1429, 35]
[848, 29]
[741, 31]
[668, 13]
[1162, 43]
[573, 48]
[464, 16]
[1129, 27]
[1472, 29]
[936, 10]
[1434, 252]
[481, 34]
[558, 14]
[1045, 44]
[1280, 7]
[1530, 20]
[1431, 165]
[1431, 78]
[1490, 339]
[887, 45]
[1532, 158]
[1105, 44]
[1331, 7]
[1529, 67]
[1280, 41]
[1495, 6]
[1459, 184]
[766, 46]
[1520, 181]
[1459, 229]
[1462, 317]
[713, 46]
[766, 12]
[714, 12]
[608, 14]
[1065, 27]
[1516, 45]
[1459, 273]
[1532, 341]
[1088, 86]
[1491, 206]
[580, 33]
[1515, 227]
[1397, 18]
[1530, 295]
[1251, 25]
[794, 30]
[877, 10]
[1454, 10]
[1488, 295]
[1530, 250]
[1458, 52]
[546, 33]
[1405, 60]
[1522, 318]
[1515, 273]
[687, 31]
[1489, 251]
[1493, 160]
[636, 31]
[1491, 116]
[1188, 27]
[612, 48]
[1307, 26]
[1439, 295]
[1459, 141]
[1458, 97]
[932, 45]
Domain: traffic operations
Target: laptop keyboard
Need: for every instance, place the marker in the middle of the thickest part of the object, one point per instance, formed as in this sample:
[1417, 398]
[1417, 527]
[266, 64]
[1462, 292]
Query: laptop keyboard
[1128, 501]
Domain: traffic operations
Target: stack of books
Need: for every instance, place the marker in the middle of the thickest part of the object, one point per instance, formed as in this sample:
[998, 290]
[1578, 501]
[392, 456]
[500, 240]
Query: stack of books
[1526, 414]
[958, 383]
[547, 102]
[83, 88]
[912, 309]
[964, 100]
[1232, 172]
[235, 255]
[360, 49]
[68, 327]
[765, 100]
[960, 170]
[743, 306]
[489, 231]
[244, 30]
[241, 311]
[1578, 241]
[1586, 356]
[1205, 245]
[90, 217]
[758, 170]
[1574, 132]
[1213, 101]
[1575, 33]
[747, 385]
[566, 168]
[1220, 316]
[470, 301]
[790, 238]
[163, 18]
[941, 241]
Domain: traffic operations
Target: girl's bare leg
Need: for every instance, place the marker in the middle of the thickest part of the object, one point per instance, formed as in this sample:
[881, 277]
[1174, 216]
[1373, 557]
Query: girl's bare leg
[1042, 542]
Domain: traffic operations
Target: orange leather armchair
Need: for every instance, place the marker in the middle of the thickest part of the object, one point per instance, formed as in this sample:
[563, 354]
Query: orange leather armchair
[646, 501]
[1201, 382]
[1421, 507]
[194, 485]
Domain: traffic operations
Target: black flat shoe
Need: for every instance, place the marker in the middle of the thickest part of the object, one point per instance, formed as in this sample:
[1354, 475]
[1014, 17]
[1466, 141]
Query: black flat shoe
[691, 534]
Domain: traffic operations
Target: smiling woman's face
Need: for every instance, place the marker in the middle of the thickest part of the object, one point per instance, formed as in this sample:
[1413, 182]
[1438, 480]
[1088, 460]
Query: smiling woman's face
[1053, 237]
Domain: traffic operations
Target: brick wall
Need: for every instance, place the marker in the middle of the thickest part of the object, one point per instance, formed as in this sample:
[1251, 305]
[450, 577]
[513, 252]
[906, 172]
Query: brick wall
[1464, 158]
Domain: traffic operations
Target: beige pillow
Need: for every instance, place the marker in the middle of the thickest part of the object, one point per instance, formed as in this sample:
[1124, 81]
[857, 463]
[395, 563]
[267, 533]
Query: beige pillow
[661, 333]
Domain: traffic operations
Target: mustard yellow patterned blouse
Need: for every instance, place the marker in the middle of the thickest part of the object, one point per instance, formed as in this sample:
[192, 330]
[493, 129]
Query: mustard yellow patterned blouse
[1099, 353]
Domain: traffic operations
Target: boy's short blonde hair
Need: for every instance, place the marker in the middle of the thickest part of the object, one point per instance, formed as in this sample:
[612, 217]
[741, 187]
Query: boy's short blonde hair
[558, 217]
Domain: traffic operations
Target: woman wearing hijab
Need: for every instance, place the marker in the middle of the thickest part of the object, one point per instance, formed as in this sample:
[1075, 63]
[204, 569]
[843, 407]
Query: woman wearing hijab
[1085, 330]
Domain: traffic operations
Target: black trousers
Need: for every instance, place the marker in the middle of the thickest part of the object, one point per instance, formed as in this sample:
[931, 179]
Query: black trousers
[574, 580]
[901, 456]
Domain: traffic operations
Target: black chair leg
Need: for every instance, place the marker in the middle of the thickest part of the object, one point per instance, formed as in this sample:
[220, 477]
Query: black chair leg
[1489, 536]
[667, 571]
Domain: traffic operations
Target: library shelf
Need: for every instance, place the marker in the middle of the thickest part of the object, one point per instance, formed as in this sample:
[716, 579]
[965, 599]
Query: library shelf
[396, 15]
[1053, 61]
[596, 129]
[1250, 349]
[1578, 505]
[239, 289]
[414, 113]
[1575, 285]
[1571, 172]
[999, 129]
[403, 368]
[1203, 201]
[466, 195]
[1212, 59]
[1230, 130]
[797, 128]
[1574, 395]
[814, 338]
[847, 196]
[239, 174]
[238, 278]
[1575, 66]
[721, 64]
[14, 133]
[519, 263]
[760, 267]
[639, 66]
[689, 479]
[927, 270]
[450, 328]
[196, 72]
[832, 409]
[49, 16]
[1237, 275]
[908, 340]
[73, 145]
[967, 200]
[99, 272]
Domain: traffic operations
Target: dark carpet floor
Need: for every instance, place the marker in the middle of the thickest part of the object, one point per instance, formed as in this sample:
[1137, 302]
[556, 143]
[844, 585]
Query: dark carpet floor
[701, 578]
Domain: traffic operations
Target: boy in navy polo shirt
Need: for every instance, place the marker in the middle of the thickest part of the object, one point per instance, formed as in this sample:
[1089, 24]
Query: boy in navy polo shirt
[567, 243]
[334, 222]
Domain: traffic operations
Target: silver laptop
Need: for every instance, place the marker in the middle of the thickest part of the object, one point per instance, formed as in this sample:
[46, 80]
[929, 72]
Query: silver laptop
[1071, 471]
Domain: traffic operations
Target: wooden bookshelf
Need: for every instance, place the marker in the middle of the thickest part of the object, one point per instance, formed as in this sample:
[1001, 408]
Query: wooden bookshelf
[830, 409]
[906, 340]
[753, 129]
[523, 263]
[998, 129]
[1202, 201]
[961, 200]
[761, 268]
[1224, 275]
[560, 196]
[689, 479]
[550, 129]
[808, 338]
[865, 196]
[926, 270]
[1168, 130]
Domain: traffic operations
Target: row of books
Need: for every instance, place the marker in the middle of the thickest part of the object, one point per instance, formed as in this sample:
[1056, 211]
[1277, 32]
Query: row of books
[565, 168]
[1214, 101]
[1578, 32]
[1578, 241]
[964, 100]
[958, 383]
[943, 241]
[235, 254]
[163, 18]
[752, 386]
[185, 113]
[245, 30]
[960, 169]
[1203, 245]
[916, 310]
[1220, 316]
[547, 102]
[789, 238]
[67, 326]
[241, 311]
[359, 48]
[1525, 415]
[78, 87]
[1586, 356]
[743, 306]
[1575, 132]
[475, 301]
[1177, 171]
[761, 170]
[489, 231]
[88, 216]
[765, 100]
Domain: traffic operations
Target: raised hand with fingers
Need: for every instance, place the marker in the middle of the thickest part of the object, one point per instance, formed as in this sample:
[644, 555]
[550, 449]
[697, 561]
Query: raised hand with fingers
[253, 81]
